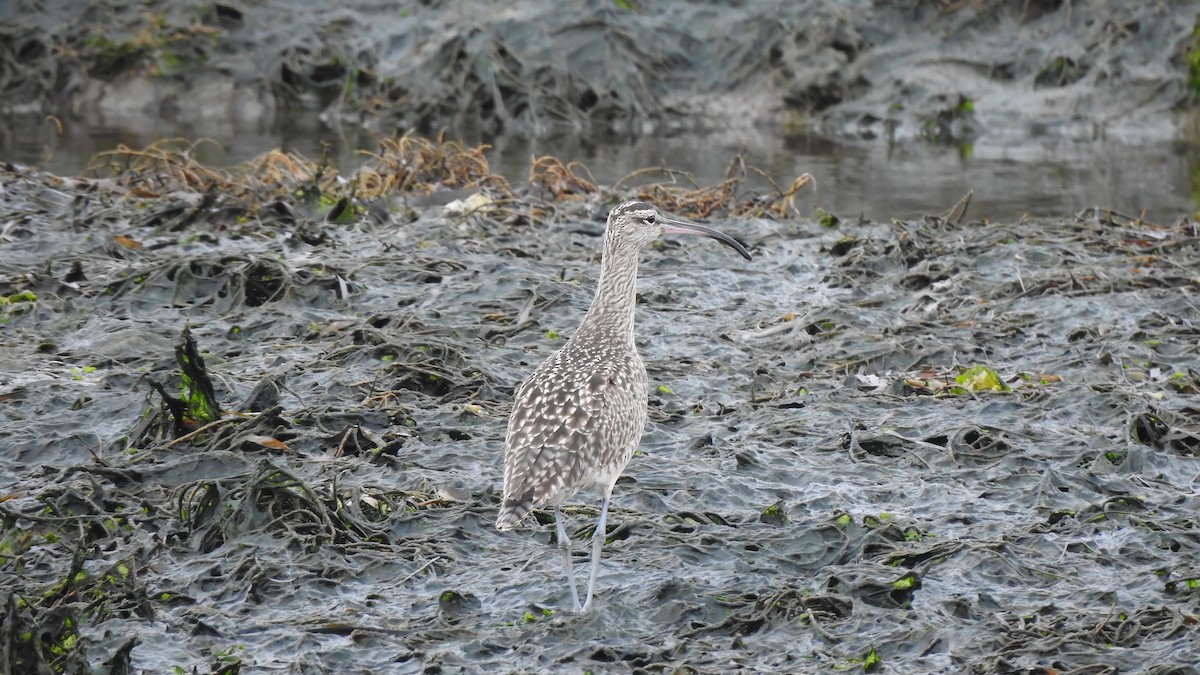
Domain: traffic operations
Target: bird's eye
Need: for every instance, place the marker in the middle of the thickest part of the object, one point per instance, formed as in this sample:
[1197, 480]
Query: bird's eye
[650, 219]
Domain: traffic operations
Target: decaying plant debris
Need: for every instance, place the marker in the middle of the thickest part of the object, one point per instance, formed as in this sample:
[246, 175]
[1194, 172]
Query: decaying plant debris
[941, 444]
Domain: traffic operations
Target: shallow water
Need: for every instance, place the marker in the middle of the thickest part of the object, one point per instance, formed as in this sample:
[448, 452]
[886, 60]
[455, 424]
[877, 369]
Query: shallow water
[1010, 177]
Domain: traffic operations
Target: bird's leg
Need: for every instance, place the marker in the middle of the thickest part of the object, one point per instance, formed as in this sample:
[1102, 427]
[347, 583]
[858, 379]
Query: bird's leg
[598, 536]
[564, 544]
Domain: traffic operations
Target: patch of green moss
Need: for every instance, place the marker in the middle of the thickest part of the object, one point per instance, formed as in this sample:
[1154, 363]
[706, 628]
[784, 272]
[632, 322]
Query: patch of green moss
[23, 296]
[978, 378]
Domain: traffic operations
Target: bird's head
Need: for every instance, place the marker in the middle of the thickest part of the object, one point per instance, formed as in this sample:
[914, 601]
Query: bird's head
[634, 224]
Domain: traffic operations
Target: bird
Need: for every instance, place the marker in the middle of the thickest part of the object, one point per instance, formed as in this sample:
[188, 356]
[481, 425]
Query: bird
[577, 420]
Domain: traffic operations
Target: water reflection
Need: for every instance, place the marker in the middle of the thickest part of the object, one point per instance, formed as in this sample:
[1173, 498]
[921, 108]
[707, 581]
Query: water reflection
[1010, 178]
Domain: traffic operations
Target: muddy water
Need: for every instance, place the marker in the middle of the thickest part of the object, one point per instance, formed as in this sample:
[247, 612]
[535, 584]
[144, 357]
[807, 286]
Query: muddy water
[1010, 177]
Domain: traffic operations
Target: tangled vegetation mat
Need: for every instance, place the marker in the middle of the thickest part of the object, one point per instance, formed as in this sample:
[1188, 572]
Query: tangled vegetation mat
[253, 418]
[949, 70]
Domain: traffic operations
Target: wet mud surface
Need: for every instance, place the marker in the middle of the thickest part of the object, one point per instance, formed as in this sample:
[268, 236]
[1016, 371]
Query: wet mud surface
[948, 71]
[934, 445]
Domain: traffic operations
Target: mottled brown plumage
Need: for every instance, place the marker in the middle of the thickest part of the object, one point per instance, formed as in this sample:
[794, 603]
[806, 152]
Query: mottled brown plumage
[578, 419]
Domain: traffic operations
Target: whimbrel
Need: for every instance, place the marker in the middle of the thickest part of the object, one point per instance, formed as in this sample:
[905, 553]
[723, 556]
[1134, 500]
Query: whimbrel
[578, 419]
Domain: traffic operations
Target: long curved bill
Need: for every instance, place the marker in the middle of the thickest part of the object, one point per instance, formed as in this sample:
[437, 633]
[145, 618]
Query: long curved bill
[681, 227]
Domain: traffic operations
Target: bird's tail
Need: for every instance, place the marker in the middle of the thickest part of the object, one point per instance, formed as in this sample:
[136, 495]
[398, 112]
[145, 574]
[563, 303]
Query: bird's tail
[513, 510]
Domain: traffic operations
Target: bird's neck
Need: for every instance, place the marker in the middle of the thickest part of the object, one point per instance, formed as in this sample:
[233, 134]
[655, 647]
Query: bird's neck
[613, 307]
